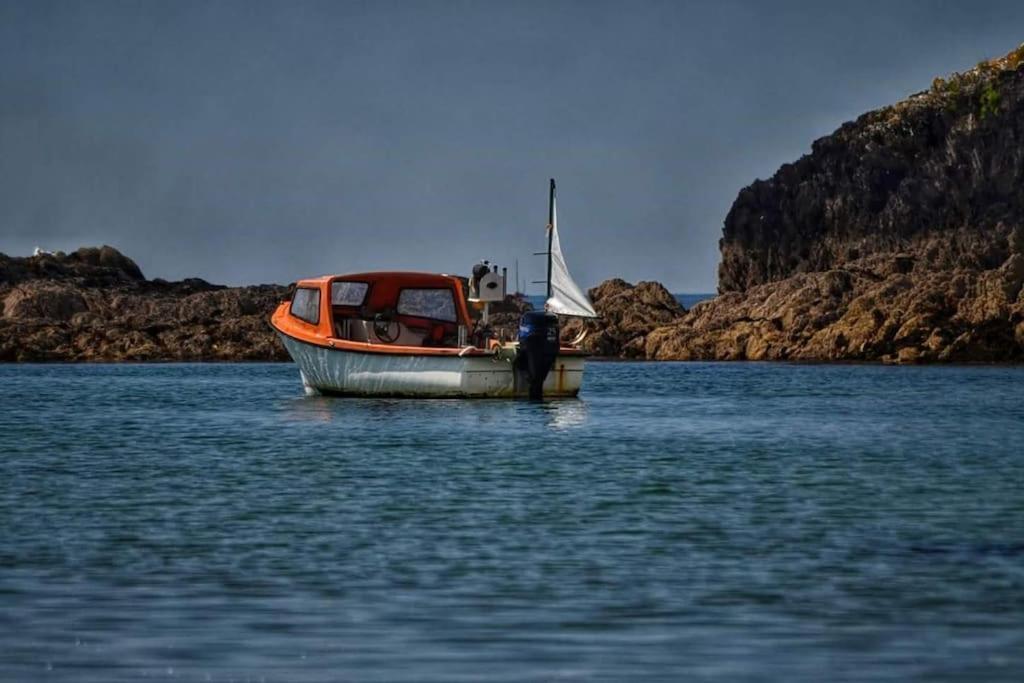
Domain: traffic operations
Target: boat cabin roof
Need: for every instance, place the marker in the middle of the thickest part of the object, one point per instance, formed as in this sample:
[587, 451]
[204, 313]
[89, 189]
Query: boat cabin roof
[384, 290]
[408, 278]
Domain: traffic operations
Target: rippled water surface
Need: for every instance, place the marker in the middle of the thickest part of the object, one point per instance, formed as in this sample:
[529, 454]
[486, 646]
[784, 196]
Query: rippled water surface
[681, 521]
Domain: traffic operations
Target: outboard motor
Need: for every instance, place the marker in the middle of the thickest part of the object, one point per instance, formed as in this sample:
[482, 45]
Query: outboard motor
[538, 349]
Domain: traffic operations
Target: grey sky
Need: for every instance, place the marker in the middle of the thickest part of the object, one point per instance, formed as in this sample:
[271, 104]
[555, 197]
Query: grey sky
[256, 142]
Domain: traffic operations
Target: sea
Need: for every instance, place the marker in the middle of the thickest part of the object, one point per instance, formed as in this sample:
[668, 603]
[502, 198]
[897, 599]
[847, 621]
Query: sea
[677, 522]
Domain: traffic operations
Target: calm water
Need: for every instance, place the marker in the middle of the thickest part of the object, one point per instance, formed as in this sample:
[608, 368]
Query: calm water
[689, 300]
[681, 521]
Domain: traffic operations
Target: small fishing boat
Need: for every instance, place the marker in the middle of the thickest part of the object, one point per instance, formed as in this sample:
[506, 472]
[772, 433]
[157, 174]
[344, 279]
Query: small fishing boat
[411, 334]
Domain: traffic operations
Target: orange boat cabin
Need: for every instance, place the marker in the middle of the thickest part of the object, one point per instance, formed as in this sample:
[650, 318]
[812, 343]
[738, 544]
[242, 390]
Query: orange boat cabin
[398, 309]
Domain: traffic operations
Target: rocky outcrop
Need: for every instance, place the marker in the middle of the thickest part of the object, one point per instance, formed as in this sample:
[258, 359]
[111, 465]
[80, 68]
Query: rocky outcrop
[628, 313]
[899, 237]
[96, 305]
[848, 315]
[946, 161]
[87, 267]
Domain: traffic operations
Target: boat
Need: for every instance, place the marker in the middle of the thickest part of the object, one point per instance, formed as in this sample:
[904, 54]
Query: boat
[399, 333]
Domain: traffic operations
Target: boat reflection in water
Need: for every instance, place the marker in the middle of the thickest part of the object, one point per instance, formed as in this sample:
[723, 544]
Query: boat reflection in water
[476, 415]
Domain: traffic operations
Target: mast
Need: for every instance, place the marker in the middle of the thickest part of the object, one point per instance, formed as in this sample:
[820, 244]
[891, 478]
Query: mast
[551, 229]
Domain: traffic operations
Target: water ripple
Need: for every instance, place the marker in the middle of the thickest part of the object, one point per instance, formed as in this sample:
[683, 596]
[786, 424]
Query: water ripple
[208, 522]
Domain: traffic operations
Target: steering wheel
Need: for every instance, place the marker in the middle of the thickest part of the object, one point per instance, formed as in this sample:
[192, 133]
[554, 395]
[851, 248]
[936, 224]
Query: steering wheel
[382, 323]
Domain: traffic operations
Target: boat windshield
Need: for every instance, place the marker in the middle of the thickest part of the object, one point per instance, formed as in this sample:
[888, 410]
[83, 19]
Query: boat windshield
[306, 304]
[348, 293]
[436, 304]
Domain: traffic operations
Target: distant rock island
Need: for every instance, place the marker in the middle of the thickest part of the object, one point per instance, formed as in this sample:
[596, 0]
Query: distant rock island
[899, 238]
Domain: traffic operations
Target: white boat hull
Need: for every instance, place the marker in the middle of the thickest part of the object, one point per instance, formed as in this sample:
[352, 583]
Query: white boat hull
[337, 371]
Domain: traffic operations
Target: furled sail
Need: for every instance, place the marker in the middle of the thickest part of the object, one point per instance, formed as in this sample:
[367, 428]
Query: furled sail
[566, 297]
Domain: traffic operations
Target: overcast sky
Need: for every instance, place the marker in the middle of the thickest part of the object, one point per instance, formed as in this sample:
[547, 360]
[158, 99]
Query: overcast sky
[262, 142]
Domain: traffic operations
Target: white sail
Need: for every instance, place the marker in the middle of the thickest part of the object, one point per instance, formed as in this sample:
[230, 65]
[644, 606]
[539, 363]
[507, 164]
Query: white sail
[566, 296]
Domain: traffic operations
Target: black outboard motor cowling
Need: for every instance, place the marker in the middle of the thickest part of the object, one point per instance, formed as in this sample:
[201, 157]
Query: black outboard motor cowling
[538, 349]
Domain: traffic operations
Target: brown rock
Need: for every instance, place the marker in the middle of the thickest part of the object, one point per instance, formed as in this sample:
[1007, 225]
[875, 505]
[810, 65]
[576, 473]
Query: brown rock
[908, 354]
[899, 237]
[94, 305]
[37, 300]
[627, 314]
[1013, 275]
[110, 258]
[964, 316]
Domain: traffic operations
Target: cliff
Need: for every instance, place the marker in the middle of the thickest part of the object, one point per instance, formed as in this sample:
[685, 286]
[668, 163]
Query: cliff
[899, 237]
[96, 305]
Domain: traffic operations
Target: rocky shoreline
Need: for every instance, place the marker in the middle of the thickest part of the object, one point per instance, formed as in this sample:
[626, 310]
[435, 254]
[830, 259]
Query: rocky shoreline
[899, 238]
[95, 305]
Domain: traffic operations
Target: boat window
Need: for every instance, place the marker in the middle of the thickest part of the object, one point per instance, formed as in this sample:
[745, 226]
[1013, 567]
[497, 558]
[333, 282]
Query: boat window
[306, 304]
[437, 304]
[348, 293]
